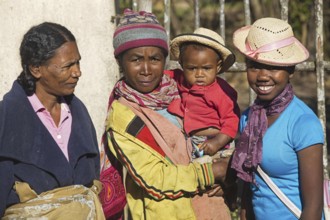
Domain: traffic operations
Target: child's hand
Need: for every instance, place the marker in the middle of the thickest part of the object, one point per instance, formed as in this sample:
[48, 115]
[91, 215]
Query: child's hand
[210, 147]
[213, 145]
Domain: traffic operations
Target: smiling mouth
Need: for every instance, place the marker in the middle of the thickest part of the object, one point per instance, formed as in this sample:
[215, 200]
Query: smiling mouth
[265, 88]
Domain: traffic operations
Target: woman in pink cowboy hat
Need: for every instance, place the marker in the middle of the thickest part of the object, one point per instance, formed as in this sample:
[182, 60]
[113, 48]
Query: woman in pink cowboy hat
[279, 133]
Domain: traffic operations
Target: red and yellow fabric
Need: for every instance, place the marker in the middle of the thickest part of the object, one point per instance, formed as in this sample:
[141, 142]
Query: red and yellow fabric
[156, 187]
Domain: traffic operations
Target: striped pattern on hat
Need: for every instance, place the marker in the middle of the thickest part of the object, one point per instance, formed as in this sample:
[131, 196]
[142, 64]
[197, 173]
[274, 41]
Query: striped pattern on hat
[138, 29]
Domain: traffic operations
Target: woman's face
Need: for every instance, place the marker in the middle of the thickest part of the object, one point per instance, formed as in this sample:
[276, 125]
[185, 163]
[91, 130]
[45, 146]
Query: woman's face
[267, 81]
[143, 68]
[60, 74]
[200, 65]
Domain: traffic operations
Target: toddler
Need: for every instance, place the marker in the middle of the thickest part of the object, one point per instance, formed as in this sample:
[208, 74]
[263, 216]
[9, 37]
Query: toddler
[208, 104]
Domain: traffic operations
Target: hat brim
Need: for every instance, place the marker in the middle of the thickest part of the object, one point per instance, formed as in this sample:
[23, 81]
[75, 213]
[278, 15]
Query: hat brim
[227, 56]
[299, 52]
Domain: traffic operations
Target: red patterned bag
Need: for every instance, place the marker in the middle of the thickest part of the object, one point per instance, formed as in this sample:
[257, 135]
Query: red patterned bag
[113, 195]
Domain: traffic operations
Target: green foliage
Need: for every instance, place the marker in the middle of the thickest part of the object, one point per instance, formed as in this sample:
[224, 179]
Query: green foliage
[124, 4]
[299, 14]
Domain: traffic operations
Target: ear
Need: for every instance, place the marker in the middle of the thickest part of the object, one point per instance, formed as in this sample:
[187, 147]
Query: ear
[291, 75]
[35, 71]
[219, 65]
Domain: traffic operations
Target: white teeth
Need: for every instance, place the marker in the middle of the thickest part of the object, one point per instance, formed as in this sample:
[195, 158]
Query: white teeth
[264, 88]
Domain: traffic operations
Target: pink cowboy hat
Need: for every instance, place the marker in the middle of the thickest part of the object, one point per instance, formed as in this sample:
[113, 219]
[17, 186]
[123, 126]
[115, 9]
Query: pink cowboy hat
[270, 41]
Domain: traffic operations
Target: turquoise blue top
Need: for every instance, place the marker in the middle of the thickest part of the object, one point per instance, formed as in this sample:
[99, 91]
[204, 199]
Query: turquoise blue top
[297, 128]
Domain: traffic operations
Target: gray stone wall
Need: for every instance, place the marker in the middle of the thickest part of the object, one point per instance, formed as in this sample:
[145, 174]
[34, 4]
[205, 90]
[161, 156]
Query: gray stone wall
[89, 21]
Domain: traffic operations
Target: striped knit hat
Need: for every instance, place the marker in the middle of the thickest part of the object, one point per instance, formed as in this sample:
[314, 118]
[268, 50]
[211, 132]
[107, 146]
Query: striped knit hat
[138, 29]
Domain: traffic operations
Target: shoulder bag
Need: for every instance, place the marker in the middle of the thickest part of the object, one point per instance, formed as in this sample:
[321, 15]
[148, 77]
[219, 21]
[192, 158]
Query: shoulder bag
[288, 203]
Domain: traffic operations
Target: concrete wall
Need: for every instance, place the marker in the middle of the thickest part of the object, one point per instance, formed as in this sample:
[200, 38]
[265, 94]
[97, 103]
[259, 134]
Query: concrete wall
[89, 21]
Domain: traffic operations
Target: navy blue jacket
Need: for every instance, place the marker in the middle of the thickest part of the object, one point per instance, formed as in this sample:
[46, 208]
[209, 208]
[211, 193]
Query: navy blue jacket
[29, 153]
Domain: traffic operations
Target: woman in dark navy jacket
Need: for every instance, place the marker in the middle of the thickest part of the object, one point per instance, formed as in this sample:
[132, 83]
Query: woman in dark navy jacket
[47, 138]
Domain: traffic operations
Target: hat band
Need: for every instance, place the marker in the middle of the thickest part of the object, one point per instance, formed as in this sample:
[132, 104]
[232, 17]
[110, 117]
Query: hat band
[269, 47]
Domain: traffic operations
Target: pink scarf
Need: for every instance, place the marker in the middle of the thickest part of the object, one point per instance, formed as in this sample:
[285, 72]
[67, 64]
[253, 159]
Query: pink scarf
[158, 99]
[249, 146]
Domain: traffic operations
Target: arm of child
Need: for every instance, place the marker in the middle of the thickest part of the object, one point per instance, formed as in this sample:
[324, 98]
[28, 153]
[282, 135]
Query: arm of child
[213, 145]
[228, 112]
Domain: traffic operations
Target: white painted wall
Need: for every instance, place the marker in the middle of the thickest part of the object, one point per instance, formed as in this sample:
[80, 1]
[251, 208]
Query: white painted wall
[89, 21]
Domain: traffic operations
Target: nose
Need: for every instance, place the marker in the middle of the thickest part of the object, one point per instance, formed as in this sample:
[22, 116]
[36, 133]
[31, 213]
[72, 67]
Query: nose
[263, 74]
[75, 72]
[199, 73]
[146, 68]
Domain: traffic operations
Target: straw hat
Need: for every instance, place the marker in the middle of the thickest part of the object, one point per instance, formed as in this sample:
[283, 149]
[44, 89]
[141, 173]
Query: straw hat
[270, 41]
[208, 38]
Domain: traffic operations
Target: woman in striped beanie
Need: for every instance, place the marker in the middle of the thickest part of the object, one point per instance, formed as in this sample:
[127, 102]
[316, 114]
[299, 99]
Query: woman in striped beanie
[161, 182]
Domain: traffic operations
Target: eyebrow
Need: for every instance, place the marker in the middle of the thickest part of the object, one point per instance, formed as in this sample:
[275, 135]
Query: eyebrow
[70, 62]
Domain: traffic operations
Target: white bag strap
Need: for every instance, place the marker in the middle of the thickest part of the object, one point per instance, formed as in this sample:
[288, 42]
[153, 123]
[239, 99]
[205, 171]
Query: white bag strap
[293, 208]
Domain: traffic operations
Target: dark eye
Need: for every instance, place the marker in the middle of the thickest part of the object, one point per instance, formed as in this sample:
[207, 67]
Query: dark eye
[65, 68]
[155, 59]
[191, 68]
[252, 69]
[74, 63]
[274, 68]
[135, 59]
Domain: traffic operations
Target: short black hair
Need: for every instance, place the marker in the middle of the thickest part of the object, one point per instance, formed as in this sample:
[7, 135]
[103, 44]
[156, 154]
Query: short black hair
[197, 46]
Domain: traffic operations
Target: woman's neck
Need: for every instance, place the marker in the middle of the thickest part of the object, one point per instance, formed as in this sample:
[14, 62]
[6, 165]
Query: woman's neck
[52, 105]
